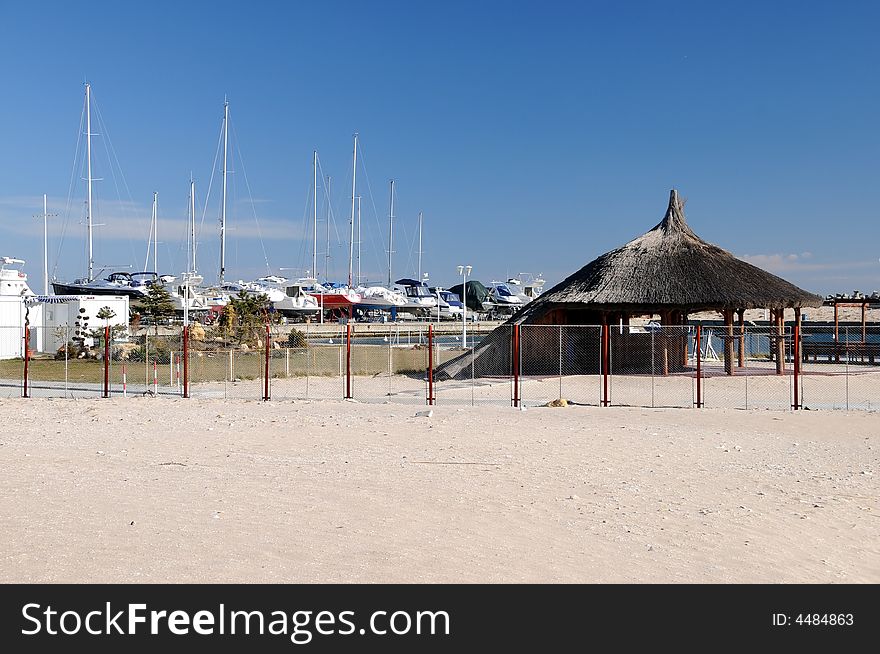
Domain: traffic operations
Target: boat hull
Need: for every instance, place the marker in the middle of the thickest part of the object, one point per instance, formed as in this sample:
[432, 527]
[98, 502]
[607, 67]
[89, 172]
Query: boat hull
[82, 289]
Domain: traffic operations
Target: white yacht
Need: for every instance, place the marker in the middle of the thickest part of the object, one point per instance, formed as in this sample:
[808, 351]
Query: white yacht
[419, 300]
[380, 298]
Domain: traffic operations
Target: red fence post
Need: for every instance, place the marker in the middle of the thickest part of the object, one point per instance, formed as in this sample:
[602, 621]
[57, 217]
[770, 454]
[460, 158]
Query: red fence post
[797, 366]
[430, 364]
[186, 361]
[27, 356]
[606, 363]
[266, 366]
[699, 355]
[348, 360]
[106, 360]
[516, 365]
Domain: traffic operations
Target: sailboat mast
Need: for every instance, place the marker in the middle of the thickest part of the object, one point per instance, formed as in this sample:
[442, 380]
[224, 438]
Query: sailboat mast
[155, 232]
[223, 203]
[390, 233]
[359, 242]
[192, 223]
[327, 252]
[420, 247]
[315, 216]
[45, 247]
[354, 159]
[89, 177]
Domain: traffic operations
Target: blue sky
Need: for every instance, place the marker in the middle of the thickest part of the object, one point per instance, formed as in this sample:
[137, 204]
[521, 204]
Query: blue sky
[533, 135]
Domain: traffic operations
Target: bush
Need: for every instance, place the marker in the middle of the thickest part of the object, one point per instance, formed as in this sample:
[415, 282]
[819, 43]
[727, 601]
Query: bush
[159, 351]
[296, 339]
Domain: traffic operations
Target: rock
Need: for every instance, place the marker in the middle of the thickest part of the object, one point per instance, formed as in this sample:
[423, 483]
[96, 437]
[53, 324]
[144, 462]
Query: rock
[424, 414]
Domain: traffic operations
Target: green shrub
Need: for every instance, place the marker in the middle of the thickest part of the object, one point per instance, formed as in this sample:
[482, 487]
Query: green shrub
[296, 339]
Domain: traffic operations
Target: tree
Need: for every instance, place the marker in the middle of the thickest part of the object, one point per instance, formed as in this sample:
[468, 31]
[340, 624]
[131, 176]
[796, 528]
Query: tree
[247, 314]
[105, 314]
[157, 304]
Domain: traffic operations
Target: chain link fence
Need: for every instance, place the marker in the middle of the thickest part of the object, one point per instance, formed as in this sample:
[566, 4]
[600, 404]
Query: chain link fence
[748, 367]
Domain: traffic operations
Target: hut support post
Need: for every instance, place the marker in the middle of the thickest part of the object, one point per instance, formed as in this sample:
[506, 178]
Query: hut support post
[684, 340]
[863, 322]
[836, 324]
[741, 314]
[780, 342]
[728, 342]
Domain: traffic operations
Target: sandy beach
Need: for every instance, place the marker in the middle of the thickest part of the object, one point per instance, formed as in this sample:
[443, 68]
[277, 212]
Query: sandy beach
[170, 490]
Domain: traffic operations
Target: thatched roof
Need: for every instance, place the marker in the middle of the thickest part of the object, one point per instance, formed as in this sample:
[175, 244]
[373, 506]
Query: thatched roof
[670, 267]
[666, 269]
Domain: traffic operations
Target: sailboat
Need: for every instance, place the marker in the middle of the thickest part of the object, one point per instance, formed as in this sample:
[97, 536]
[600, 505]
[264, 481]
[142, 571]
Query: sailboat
[332, 298]
[117, 283]
[188, 295]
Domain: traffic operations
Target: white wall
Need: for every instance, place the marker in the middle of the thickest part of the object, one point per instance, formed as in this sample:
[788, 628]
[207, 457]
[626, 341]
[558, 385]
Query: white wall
[12, 316]
[58, 316]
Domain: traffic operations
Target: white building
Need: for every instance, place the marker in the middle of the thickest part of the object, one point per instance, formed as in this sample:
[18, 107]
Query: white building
[52, 320]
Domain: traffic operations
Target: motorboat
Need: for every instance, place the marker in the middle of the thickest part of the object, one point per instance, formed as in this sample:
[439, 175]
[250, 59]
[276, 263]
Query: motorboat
[288, 299]
[380, 298]
[419, 300]
[503, 301]
[450, 305]
[134, 285]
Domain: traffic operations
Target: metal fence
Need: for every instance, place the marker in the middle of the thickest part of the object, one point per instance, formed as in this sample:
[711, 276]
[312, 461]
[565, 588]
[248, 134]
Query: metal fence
[751, 367]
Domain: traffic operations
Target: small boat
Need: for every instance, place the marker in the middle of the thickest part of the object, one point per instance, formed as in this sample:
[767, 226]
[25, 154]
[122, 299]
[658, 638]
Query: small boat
[288, 299]
[454, 309]
[419, 300]
[380, 298]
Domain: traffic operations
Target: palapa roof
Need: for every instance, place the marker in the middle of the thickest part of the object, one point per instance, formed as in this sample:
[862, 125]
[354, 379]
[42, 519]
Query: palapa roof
[670, 267]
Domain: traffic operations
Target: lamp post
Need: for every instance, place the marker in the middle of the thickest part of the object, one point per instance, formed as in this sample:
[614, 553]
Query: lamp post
[438, 289]
[465, 272]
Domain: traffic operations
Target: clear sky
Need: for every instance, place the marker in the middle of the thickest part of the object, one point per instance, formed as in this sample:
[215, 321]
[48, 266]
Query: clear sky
[533, 135]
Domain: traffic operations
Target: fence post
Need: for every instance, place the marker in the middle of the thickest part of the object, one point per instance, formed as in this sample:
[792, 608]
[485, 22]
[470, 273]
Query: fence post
[605, 364]
[430, 364]
[516, 365]
[348, 361]
[698, 350]
[560, 362]
[186, 361]
[27, 356]
[266, 366]
[124, 385]
[106, 360]
[797, 365]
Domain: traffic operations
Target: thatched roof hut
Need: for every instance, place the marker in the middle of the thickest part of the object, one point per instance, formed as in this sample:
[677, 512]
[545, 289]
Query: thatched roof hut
[670, 268]
[669, 271]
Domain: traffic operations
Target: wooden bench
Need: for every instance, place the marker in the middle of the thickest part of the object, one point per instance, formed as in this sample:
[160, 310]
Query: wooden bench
[832, 352]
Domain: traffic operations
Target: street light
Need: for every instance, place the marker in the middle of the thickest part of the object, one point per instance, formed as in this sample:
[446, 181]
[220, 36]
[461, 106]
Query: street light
[465, 272]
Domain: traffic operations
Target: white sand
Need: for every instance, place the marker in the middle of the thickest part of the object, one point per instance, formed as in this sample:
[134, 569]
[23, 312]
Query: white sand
[165, 490]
